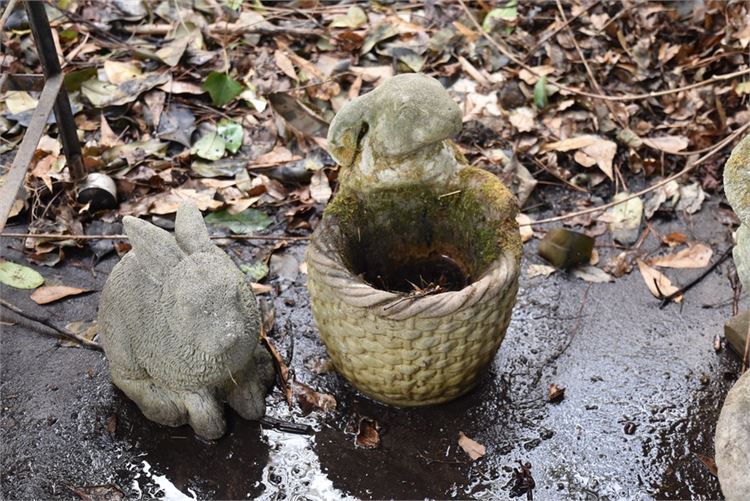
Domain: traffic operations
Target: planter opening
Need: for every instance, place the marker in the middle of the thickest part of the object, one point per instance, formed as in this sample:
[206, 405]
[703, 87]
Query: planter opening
[402, 241]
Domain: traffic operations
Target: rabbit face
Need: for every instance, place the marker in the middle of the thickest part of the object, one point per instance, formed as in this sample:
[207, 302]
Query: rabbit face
[210, 304]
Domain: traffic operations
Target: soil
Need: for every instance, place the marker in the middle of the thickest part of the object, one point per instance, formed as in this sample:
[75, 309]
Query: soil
[643, 388]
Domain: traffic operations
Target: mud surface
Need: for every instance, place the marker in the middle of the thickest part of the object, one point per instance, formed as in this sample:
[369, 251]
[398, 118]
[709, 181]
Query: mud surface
[643, 388]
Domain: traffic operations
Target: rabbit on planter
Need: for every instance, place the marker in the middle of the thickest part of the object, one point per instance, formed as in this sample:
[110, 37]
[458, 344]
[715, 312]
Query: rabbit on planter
[180, 326]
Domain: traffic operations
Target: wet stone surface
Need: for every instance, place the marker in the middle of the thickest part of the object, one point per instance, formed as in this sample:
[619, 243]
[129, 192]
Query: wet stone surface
[643, 388]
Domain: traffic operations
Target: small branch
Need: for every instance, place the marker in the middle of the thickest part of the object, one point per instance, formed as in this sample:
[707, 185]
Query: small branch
[54, 236]
[571, 90]
[688, 168]
[61, 331]
[665, 300]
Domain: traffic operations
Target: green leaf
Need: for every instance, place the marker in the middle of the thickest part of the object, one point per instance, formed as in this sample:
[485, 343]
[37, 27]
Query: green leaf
[247, 221]
[256, 271]
[232, 133]
[501, 15]
[74, 79]
[222, 88]
[18, 276]
[541, 100]
[211, 146]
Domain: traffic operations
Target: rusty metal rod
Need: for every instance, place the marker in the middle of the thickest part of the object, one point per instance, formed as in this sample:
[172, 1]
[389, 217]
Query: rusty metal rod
[66, 127]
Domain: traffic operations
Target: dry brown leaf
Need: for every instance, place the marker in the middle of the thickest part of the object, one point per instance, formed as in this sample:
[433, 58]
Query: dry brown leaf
[108, 137]
[695, 256]
[310, 400]
[285, 64]
[118, 72]
[540, 270]
[659, 285]
[522, 119]
[555, 393]
[674, 239]
[474, 449]
[50, 293]
[260, 288]
[368, 434]
[668, 144]
[572, 143]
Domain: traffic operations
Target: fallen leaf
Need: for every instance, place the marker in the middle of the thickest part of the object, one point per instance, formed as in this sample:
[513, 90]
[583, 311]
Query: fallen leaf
[667, 144]
[285, 64]
[86, 329]
[626, 219]
[108, 138]
[222, 88]
[674, 239]
[592, 274]
[522, 119]
[310, 400]
[108, 492]
[524, 227]
[259, 289]
[284, 266]
[320, 188]
[656, 282]
[256, 271]
[103, 94]
[474, 449]
[709, 463]
[694, 256]
[691, 198]
[118, 72]
[20, 277]
[211, 146]
[50, 293]
[232, 133]
[354, 18]
[368, 434]
[246, 222]
[555, 393]
[540, 270]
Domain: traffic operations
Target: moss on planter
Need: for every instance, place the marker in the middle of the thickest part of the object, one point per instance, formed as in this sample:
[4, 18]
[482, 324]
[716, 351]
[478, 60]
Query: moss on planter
[471, 220]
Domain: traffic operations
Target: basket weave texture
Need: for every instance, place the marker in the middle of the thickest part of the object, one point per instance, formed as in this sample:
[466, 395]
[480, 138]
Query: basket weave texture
[408, 352]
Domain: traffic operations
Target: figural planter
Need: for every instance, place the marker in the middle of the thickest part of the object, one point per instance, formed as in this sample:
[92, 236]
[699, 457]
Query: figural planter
[413, 270]
[732, 439]
[180, 325]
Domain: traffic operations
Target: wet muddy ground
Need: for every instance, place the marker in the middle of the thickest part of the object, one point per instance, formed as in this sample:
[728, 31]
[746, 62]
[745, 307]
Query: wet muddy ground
[643, 388]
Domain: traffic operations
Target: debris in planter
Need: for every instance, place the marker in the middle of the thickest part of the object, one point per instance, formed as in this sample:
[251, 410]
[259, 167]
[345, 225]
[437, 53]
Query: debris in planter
[630, 428]
[310, 400]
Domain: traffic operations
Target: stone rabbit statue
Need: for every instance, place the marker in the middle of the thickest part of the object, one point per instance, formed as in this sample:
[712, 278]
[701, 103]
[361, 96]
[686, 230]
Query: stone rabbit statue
[180, 325]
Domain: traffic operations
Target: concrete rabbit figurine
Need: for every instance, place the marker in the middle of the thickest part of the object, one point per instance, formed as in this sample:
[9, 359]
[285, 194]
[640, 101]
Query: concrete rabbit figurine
[180, 326]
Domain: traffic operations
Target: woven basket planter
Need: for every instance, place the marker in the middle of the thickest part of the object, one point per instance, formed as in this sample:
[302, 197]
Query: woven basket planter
[405, 350]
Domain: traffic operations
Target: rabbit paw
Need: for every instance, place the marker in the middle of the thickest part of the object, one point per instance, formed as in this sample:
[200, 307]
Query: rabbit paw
[248, 399]
[205, 415]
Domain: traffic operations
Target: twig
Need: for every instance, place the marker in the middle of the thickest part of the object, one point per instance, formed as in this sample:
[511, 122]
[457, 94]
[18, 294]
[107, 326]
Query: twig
[55, 236]
[563, 87]
[688, 168]
[665, 300]
[62, 332]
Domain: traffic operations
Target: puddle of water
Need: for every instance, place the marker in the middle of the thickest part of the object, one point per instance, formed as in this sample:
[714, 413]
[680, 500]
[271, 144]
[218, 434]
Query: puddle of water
[149, 485]
[294, 472]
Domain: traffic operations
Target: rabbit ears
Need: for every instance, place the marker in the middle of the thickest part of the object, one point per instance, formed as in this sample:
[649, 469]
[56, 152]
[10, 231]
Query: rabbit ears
[157, 251]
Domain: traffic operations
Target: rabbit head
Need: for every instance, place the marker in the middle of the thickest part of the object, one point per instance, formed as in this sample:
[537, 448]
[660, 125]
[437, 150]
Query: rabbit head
[405, 114]
[205, 299]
